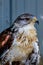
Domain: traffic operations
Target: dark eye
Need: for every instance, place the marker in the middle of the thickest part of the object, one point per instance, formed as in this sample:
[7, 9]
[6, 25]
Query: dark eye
[24, 18]
[27, 18]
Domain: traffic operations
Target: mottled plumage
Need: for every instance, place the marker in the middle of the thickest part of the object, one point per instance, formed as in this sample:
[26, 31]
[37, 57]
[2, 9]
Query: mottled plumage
[24, 47]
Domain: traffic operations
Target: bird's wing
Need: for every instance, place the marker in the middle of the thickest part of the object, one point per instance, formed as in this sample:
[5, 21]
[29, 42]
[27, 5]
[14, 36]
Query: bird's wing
[5, 40]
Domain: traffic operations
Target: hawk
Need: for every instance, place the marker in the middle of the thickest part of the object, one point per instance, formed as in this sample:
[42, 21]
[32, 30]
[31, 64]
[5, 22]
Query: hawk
[23, 47]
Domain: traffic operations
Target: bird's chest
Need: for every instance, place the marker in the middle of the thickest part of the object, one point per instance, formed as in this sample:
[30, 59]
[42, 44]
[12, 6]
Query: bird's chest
[21, 46]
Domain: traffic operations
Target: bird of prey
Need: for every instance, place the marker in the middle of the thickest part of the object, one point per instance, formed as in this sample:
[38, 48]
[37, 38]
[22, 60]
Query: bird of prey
[24, 46]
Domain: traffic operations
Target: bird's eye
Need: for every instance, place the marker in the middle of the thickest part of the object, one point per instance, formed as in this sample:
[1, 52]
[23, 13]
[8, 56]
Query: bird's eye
[27, 18]
[24, 18]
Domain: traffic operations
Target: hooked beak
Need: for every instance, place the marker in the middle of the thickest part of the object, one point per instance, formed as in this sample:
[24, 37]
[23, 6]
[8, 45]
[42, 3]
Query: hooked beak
[37, 22]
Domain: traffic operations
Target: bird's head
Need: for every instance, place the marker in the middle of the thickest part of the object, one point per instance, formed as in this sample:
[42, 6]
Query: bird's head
[25, 19]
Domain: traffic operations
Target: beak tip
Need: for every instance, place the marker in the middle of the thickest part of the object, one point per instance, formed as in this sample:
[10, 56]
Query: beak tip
[37, 22]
